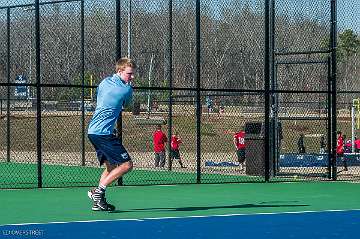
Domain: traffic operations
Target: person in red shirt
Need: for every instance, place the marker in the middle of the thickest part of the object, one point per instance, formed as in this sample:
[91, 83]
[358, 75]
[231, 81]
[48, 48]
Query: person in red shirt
[239, 142]
[357, 145]
[159, 140]
[175, 152]
[340, 149]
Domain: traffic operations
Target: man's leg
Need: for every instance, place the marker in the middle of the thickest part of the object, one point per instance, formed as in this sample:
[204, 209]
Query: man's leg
[96, 193]
[162, 159]
[241, 166]
[112, 173]
[108, 149]
[241, 159]
[345, 164]
[175, 154]
[157, 159]
[181, 163]
[107, 170]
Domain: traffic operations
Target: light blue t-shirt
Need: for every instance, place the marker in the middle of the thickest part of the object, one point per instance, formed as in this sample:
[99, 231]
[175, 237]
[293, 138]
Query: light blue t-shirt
[112, 94]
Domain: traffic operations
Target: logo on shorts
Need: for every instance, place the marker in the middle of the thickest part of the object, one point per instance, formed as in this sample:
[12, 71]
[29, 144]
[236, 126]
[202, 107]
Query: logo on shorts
[124, 155]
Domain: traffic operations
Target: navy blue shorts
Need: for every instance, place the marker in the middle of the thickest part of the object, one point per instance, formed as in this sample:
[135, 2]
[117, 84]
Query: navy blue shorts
[175, 154]
[108, 147]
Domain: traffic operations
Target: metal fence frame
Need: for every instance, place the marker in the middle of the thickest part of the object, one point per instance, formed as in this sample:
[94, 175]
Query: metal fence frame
[270, 91]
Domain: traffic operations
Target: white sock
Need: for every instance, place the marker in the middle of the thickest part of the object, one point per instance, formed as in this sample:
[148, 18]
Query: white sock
[102, 188]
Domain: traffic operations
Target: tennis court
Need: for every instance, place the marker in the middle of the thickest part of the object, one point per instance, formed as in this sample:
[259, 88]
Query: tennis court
[257, 210]
[285, 72]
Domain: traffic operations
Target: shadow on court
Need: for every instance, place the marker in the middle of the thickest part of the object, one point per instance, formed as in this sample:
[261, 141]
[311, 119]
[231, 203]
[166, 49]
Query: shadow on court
[191, 209]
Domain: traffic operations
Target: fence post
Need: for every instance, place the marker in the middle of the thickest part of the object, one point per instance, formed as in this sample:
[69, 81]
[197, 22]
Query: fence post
[118, 56]
[8, 69]
[333, 44]
[329, 125]
[168, 62]
[38, 92]
[82, 67]
[198, 93]
[267, 89]
[274, 125]
[118, 29]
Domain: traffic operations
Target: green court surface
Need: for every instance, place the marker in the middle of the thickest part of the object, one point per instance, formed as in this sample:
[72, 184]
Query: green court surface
[24, 175]
[136, 202]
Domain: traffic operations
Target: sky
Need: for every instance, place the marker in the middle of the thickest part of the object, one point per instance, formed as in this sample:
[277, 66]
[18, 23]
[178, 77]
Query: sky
[348, 10]
[349, 14]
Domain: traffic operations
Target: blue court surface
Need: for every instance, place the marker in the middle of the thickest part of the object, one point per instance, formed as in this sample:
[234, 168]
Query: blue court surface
[332, 224]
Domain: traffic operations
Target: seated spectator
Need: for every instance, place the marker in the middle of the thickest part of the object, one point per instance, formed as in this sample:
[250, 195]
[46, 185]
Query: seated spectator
[348, 146]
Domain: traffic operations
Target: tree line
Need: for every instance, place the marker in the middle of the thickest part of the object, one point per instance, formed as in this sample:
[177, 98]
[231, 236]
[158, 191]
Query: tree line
[232, 49]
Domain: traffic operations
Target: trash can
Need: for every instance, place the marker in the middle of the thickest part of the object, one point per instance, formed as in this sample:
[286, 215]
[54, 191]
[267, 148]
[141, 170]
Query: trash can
[136, 108]
[255, 149]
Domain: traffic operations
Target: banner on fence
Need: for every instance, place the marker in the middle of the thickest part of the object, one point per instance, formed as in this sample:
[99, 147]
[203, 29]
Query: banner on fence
[315, 160]
[20, 90]
[299, 160]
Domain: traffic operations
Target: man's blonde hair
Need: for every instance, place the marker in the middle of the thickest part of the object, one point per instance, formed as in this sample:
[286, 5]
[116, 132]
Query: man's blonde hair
[124, 62]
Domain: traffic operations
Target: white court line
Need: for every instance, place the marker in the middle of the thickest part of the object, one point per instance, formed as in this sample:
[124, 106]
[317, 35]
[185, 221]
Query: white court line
[186, 217]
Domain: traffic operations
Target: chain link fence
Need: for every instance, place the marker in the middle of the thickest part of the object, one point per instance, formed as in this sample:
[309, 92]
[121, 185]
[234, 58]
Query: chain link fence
[281, 83]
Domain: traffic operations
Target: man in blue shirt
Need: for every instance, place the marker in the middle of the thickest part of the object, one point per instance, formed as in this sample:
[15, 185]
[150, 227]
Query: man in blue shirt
[112, 94]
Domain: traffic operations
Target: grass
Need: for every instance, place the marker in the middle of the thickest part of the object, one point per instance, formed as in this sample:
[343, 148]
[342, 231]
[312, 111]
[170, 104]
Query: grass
[63, 133]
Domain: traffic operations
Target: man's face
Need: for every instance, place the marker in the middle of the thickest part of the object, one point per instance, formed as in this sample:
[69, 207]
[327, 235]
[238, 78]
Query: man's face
[127, 74]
